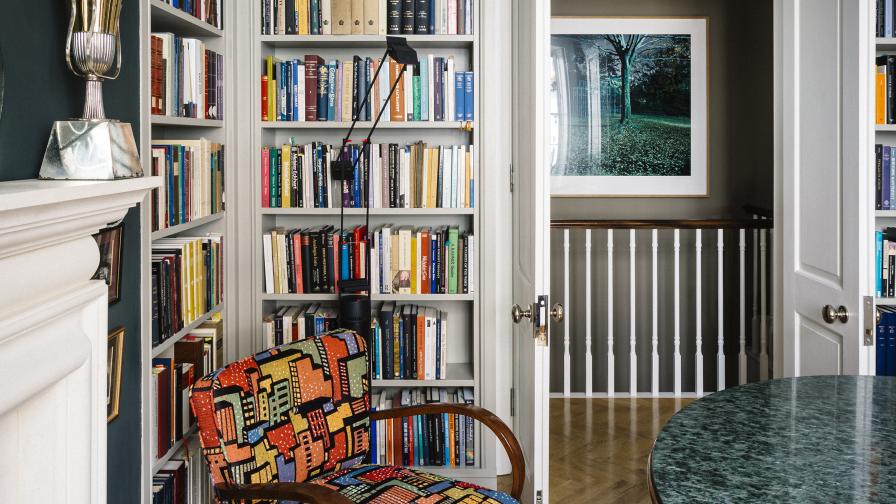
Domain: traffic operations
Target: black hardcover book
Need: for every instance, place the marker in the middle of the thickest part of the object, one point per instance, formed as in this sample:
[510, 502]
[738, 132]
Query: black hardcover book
[325, 268]
[368, 76]
[386, 326]
[878, 177]
[296, 177]
[290, 263]
[156, 335]
[393, 175]
[421, 17]
[330, 262]
[289, 23]
[393, 17]
[438, 106]
[881, 23]
[356, 89]
[407, 17]
[891, 75]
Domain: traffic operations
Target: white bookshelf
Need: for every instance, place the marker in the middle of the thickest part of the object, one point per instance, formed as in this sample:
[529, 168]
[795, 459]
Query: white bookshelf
[157, 16]
[466, 346]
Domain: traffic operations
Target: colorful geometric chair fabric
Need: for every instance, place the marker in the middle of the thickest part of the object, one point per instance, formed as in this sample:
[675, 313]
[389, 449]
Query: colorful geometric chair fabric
[292, 424]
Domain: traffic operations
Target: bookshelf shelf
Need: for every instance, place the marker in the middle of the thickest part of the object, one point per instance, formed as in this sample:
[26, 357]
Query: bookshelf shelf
[885, 301]
[361, 41]
[168, 343]
[168, 18]
[885, 214]
[373, 211]
[459, 375]
[362, 127]
[884, 127]
[180, 228]
[158, 464]
[409, 298]
[160, 120]
[885, 43]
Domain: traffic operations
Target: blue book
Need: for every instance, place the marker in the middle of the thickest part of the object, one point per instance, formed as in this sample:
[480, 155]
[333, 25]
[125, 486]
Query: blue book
[888, 18]
[432, 17]
[331, 91]
[879, 262]
[468, 96]
[356, 180]
[459, 101]
[323, 87]
[880, 345]
[885, 180]
[295, 91]
[891, 345]
[424, 87]
[374, 456]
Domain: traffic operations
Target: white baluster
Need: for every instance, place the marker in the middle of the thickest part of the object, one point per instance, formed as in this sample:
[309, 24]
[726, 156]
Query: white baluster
[655, 355]
[720, 356]
[588, 363]
[742, 357]
[763, 325]
[754, 321]
[611, 359]
[566, 337]
[698, 358]
[677, 340]
[633, 354]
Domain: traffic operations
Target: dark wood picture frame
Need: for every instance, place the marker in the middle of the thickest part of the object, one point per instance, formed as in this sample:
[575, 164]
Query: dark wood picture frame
[109, 242]
[114, 357]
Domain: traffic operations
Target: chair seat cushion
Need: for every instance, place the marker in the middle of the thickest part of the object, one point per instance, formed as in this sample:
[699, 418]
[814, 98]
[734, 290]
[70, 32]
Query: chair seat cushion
[383, 484]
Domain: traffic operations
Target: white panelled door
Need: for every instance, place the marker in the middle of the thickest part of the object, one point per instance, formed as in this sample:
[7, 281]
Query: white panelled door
[531, 250]
[822, 98]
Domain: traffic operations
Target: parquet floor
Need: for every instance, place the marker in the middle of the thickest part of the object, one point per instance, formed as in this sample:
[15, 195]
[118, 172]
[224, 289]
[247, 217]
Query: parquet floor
[599, 448]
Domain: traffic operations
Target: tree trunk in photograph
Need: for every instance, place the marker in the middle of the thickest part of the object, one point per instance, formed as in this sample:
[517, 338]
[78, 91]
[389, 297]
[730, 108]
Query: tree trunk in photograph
[594, 109]
[625, 67]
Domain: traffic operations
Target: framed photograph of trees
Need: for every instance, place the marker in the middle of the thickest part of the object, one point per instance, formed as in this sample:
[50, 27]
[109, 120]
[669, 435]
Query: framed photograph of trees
[629, 99]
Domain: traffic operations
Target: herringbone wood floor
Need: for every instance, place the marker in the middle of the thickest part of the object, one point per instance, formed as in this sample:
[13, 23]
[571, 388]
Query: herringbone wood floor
[599, 448]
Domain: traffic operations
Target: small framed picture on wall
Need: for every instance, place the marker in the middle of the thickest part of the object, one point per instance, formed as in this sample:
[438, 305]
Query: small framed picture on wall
[629, 106]
[114, 356]
[109, 242]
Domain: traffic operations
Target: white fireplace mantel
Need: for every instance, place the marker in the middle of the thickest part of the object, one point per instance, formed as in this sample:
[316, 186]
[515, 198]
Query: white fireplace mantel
[53, 332]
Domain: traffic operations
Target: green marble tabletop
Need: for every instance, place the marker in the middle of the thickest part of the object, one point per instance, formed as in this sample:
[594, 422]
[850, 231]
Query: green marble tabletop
[812, 439]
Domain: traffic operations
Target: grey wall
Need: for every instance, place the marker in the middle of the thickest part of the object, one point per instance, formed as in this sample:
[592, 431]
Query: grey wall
[40, 89]
[740, 164]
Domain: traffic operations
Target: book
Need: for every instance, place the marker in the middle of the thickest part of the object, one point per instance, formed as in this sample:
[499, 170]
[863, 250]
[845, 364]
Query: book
[193, 181]
[186, 78]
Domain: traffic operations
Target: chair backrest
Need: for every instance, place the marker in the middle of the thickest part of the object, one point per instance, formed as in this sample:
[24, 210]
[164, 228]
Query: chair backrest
[286, 414]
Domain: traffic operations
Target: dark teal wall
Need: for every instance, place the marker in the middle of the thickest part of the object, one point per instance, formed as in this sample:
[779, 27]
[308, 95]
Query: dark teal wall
[40, 89]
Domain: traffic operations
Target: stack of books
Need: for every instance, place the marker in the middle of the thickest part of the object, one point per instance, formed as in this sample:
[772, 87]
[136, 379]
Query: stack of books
[366, 17]
[409, 342]
[413, 176]
[294, 323]
[187, 80]
[187, 282]
[312, 89]
[445, 440]
[193, 175]
[205, 10]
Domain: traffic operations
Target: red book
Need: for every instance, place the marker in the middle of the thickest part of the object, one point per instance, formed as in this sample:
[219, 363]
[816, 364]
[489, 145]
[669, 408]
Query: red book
[312, 62]
[421, 343]
[360, 235]
[265, 177]
[264, 98]
[397, 439]
[297, 261]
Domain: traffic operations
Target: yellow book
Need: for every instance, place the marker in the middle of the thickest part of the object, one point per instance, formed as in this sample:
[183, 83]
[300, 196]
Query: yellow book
[272, 90]
[436, 159]
[302, 10]
[285, 177]
[275, 260]
[414, 282]
[880, 92]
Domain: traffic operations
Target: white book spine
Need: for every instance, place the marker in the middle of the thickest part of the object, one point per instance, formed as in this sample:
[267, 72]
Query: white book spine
[418, 260]
[452, 17]
[444, 346]
[430, 86]
[301, 92]
[326, 25]
[449, 87]
[382, 28]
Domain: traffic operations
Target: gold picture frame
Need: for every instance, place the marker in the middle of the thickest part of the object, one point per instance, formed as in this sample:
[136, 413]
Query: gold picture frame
[114, 357]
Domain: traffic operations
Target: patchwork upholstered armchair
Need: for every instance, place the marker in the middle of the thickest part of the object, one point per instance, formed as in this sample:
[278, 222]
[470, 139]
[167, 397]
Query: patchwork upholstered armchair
[291, 424]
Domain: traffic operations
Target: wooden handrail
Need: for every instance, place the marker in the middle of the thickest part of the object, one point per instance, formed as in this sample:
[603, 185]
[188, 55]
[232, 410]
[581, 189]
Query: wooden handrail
[765, 213]
[663, 224]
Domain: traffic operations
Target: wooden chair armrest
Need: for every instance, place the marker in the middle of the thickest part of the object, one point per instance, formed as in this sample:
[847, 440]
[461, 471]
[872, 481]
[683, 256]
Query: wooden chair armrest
[281, 491]
[498, 427]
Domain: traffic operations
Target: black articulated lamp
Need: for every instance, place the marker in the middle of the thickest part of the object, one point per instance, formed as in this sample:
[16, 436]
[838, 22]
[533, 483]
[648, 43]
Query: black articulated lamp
[354, 294]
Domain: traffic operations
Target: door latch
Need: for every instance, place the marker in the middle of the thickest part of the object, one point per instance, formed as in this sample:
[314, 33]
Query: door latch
[871, 319]
[540, 321]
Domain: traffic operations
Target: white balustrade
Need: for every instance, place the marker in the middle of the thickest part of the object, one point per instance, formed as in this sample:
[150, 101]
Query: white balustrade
[655, 339]
[633, 354]
[611, 358]
[720, 307]
[588, 363]
[567, 362]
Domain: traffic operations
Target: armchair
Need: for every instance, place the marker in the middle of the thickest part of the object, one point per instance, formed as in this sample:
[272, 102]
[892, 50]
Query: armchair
[291, 424]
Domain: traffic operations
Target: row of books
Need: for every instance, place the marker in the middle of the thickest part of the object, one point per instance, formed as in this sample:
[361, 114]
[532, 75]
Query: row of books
[187, 79]
[312, 89]
[366, 17]
[187, 282]
[413, 176]
[440, 260]
[313, 260]
[193, 175]
[409, 342]
[209, 11]
[294, 323]
[885, 343]
[885, 262]
[447, 440]
[172, 420]
[172, 484]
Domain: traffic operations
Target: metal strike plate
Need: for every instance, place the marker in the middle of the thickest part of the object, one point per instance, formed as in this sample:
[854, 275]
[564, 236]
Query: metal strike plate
[870, 323]
[541, 321]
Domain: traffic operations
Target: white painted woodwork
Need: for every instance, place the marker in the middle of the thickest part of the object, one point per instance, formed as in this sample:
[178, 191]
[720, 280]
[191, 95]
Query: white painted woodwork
[632, 312]
[720, 308]
[677, 315]
[53, 420]
[742, 356]
[754, 321]
[531, 222]
[588, 360]
[763, 306]
[611, 358]
[654, 340]
[567, 364]
[824, 98]
[698, 334]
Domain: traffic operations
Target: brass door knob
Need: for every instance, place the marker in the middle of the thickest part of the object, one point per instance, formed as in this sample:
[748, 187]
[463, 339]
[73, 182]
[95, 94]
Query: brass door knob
[557, 312]
[519, 313]
[831, 314]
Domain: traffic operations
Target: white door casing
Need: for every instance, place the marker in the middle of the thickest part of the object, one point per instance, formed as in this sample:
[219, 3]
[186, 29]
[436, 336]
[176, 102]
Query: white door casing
[531, 250]
[822, 92]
